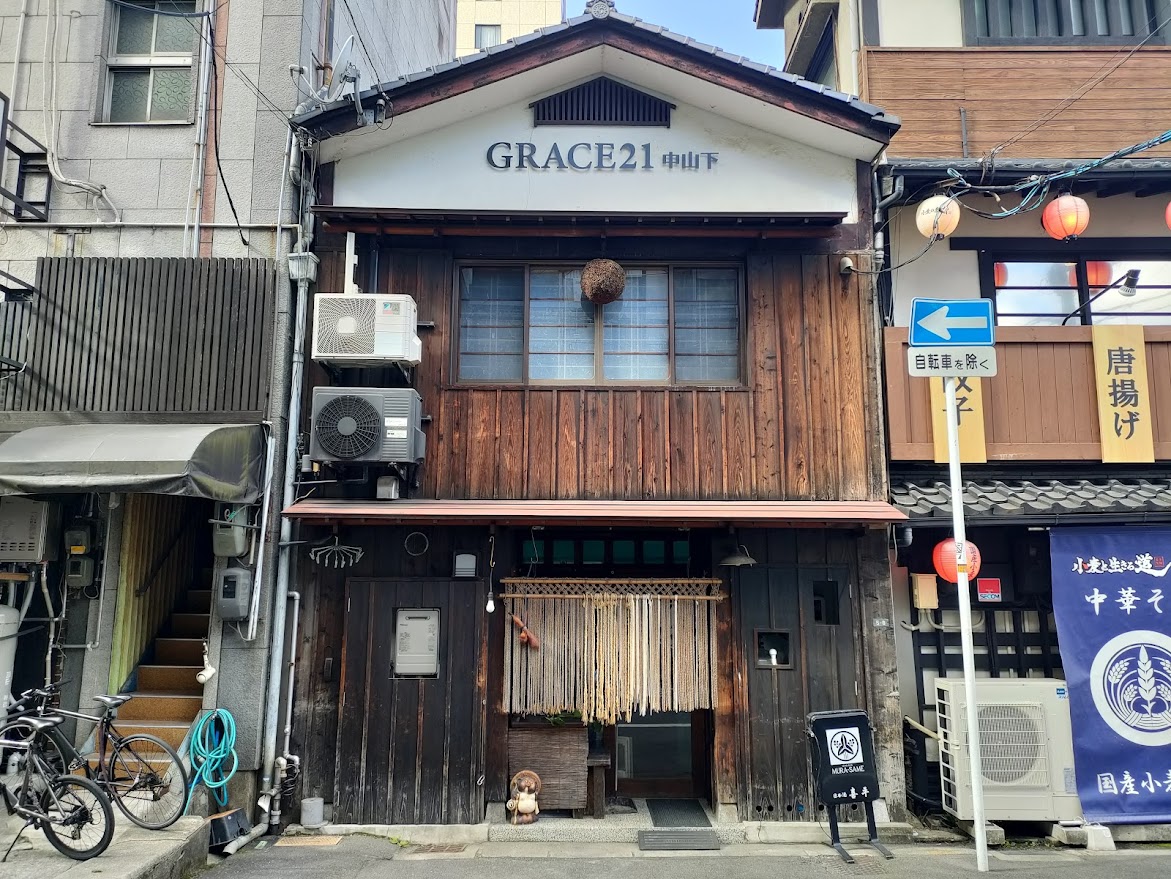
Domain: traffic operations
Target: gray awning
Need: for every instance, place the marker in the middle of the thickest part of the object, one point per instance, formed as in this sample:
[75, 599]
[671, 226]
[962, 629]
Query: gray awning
[223, 462]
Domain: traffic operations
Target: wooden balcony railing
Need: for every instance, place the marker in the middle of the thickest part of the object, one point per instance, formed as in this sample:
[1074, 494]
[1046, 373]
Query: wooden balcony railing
[1042, 406]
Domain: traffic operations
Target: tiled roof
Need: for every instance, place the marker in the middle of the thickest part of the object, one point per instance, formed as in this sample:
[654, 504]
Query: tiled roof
[852, 101]
[1046, 498]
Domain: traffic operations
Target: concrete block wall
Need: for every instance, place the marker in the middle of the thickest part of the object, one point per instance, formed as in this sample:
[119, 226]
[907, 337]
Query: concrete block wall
[515, 17]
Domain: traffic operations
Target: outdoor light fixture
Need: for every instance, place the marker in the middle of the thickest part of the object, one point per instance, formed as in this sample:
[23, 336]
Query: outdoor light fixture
[1127, 286]
[937, 217]
[1066, 217]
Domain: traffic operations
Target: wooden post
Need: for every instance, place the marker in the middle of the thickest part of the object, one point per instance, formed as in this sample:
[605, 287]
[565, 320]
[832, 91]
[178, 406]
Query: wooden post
[876, 606]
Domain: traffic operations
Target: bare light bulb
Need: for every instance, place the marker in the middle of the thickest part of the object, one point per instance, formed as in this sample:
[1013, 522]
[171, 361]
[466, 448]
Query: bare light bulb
[491, 605]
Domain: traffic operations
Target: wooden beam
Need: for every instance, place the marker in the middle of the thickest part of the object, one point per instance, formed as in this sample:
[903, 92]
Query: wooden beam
[583, 231]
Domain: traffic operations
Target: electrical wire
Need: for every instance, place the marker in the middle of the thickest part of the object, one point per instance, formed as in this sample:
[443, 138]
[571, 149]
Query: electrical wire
[217, 119]
[362, 42]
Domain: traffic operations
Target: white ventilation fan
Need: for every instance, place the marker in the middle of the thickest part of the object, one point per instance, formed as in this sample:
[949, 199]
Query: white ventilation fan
[365, 329]
[1026, 747]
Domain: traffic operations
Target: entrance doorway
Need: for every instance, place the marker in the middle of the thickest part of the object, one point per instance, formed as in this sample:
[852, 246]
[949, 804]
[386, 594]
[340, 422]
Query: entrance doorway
[663, 755]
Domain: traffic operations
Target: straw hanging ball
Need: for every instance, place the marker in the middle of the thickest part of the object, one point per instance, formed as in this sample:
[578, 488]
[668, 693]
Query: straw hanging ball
[602, 281]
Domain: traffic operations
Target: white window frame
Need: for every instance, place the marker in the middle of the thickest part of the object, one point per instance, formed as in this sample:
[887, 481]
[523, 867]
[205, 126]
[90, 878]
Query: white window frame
[499, 36]
[171, 60]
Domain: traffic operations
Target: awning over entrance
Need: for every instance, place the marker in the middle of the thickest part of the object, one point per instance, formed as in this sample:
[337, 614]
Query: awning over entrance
[223, 462]
[569, 512]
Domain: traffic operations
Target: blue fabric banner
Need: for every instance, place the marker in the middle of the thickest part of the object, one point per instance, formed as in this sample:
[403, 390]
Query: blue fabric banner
[1112, 600]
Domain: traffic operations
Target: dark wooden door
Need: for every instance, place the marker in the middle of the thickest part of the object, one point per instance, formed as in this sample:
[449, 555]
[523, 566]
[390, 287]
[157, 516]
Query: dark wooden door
[410, 749]
[804, 613]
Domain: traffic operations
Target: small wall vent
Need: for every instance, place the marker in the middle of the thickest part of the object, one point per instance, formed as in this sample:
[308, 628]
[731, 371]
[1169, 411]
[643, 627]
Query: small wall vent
[602, 101]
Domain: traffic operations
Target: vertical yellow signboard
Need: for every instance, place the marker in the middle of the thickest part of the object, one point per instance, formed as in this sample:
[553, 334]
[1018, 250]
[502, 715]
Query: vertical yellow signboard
[1124, 400]
[970, 407]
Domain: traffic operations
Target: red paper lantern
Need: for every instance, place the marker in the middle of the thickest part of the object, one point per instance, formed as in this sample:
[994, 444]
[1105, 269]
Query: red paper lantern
[1167, 217]
[1000, 274]
[1099, 274]
[944, 558]
[1066, 217]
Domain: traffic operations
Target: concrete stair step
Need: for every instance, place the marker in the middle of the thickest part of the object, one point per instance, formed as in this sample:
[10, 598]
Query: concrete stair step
[170, 678]
[153, 705]
[170, 731]
[178, 651]
[197, 601]
[189, 625]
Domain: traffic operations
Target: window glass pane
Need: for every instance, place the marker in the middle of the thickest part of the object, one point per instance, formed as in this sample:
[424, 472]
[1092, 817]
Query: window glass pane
[707, 325]
[624, 552]
[593, 552]
[634, 331]
[563, 552]
[491, 324]
[1035, 293]
[681, 552]
[128, 91]
[135, 31]
[487, 36]
[826, 602]
[533, 552]
[170, 95]
[654, 552]
[1151, 303]
[561, 327]
[176, 35]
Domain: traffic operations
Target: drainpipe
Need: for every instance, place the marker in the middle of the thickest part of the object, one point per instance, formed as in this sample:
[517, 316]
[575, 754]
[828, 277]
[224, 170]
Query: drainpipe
[303, 270]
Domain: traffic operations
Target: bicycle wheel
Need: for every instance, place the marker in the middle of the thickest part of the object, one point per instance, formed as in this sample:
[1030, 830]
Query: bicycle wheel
[16, 732]
[80, 822]
[146, 780]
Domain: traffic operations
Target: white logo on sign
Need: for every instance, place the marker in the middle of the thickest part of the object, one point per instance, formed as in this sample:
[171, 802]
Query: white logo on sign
[845, 746]
[1131, 684]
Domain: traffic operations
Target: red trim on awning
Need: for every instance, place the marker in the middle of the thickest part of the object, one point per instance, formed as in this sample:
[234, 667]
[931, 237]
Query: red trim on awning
[568, 512]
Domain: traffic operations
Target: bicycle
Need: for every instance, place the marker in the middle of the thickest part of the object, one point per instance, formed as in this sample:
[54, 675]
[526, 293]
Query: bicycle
[143, 776]
[72, 812]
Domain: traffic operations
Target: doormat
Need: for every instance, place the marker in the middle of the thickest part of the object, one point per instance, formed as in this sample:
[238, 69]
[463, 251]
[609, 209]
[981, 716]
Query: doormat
[678, 841]
[308, 840]
[677, 813]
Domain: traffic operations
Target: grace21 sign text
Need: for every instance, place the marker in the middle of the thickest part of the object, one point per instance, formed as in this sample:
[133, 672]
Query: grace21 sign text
[585, 156]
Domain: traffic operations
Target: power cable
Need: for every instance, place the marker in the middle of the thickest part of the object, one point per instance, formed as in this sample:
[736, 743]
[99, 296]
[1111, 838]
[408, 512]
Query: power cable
[217, 119]
[362, 42]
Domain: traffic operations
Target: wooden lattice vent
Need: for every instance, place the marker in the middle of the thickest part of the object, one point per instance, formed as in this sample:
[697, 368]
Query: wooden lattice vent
[602, 101]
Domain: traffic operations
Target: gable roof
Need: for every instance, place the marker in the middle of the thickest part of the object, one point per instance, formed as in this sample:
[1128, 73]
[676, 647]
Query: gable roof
[629, 34]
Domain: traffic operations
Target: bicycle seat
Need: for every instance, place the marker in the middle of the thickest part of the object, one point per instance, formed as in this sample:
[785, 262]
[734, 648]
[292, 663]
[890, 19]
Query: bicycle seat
[40, 724]
[112, 701]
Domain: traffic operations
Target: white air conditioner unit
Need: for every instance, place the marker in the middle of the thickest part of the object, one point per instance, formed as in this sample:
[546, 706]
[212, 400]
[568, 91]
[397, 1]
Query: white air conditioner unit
[365, 329]
[25, 531]
[365, 425]
[1026, 745]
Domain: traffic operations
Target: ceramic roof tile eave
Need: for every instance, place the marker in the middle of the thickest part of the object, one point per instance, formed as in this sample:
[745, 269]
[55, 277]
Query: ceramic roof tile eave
[852, 102]
[1031, 499]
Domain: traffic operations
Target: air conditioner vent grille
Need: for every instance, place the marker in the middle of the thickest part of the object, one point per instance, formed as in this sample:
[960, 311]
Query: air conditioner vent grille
[348, 427]
[346, 325]
[1013, 745]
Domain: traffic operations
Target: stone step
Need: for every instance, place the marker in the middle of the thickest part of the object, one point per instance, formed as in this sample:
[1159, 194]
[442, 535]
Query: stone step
[155, 705]
[189, 625]
[170, 731]
[170, 678]
[178, 651]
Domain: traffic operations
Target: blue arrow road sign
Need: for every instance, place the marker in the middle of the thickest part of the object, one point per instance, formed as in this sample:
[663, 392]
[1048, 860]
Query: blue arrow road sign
[951, 322]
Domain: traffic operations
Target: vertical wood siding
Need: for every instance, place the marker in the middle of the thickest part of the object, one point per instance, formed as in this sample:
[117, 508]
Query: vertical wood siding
[142, 335]
[158, 538]
[804, 425]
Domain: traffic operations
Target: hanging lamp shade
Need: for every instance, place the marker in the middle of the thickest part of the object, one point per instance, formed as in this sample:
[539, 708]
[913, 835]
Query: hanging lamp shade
[1000, 274]
[937, 217]
[1066, 217]
[738, 558]
[944, 557]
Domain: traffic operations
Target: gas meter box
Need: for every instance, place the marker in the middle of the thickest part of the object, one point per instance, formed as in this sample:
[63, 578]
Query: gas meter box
[233, 594]
[229, 536]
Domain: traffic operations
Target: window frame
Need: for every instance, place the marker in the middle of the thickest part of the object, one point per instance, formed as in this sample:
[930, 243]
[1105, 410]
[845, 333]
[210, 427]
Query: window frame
[973, 38]
[599, 380]
[475, 32]
[992, 252]
[114, 63]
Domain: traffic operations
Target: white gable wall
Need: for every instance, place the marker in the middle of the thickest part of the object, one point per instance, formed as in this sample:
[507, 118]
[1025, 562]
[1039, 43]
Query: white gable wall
[448, 169]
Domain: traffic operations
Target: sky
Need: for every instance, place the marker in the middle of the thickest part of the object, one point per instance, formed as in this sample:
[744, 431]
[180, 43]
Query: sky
[724, 23]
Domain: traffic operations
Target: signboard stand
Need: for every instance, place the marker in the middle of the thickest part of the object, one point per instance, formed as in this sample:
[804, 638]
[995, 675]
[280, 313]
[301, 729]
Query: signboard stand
[844, 770]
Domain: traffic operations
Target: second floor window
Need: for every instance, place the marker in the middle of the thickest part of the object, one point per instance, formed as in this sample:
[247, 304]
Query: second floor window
[1040, 293]
[530, 324]
[487, 36]
[150, 64]
[1056, 22]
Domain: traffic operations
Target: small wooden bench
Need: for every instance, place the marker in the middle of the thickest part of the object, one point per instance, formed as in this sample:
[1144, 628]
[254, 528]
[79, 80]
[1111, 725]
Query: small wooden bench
[597, 762]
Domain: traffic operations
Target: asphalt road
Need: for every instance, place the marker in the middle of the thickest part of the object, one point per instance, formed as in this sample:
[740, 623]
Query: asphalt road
[368, 858]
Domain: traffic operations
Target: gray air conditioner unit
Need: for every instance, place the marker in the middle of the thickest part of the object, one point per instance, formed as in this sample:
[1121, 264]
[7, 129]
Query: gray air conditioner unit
[367, 425]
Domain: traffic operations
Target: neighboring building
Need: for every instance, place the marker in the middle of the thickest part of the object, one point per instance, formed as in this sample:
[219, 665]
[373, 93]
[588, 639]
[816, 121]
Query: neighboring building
[482, 24]
[154, 189]
[596, 471]
[998, 98]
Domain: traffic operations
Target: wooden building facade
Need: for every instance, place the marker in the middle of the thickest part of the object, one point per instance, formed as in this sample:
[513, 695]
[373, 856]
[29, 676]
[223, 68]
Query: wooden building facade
[593, 471]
